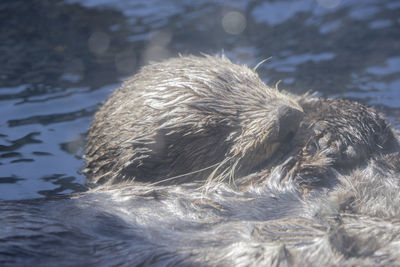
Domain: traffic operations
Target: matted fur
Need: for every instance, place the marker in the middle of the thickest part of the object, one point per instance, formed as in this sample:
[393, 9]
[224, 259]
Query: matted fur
[188, 114]
[328, 194]
[356, 222]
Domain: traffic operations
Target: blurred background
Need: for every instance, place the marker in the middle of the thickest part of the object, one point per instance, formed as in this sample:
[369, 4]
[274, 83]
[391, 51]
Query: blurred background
[59, 60]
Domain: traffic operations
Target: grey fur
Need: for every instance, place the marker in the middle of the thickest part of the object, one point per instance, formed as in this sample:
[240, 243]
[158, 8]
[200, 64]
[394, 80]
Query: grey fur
[186, 114]
[326, 195]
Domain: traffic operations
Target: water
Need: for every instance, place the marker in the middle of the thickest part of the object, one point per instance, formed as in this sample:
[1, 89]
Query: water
[60, 59]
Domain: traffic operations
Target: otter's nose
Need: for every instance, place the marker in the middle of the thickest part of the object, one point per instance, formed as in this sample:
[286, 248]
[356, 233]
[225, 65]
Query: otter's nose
[289, 120]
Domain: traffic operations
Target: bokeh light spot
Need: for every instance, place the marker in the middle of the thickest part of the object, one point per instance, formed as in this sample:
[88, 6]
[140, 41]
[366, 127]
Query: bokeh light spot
[234, 22]
[99, 42]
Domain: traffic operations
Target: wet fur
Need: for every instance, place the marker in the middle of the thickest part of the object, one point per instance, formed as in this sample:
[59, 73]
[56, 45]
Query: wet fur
[356, 222]
[185, 115]
[328, 195]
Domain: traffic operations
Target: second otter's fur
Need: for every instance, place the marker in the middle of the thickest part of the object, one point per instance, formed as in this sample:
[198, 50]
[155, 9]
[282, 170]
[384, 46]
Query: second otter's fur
[188, 114]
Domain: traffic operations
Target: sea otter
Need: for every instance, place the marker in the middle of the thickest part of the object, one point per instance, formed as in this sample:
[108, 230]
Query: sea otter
[186, 118]
[324, 191]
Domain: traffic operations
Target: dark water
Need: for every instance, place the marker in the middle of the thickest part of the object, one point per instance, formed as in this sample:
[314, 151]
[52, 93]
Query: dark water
[60, 59]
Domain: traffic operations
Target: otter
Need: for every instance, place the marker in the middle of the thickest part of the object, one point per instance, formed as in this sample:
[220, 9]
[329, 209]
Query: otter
[321, 190]
[188, 115]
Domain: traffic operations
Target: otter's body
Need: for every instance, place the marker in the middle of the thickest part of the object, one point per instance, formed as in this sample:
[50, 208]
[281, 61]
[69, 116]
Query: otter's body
[317, 181]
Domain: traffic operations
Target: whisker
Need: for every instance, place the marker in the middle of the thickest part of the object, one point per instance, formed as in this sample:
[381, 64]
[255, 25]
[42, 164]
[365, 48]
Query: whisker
[260, 63]
[185, 174]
